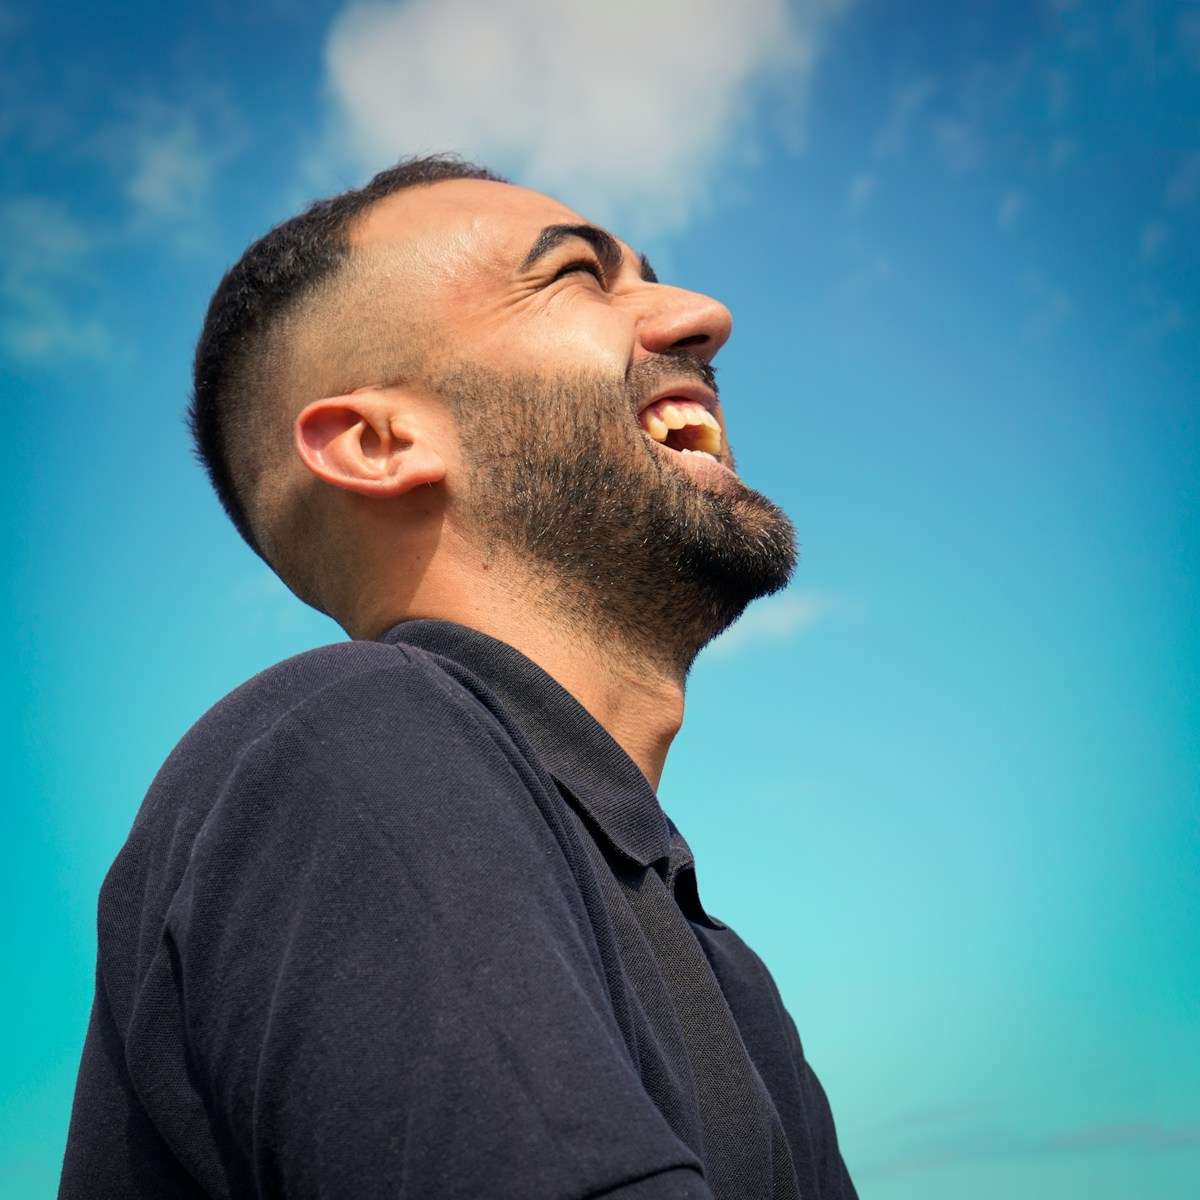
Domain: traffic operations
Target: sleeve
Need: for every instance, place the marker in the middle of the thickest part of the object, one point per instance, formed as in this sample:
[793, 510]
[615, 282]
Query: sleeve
[832, 1176]
[834, 1179]
[386, 979]
[113, 1149]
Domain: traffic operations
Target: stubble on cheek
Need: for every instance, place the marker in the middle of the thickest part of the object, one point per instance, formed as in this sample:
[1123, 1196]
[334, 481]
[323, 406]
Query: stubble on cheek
[561, 478]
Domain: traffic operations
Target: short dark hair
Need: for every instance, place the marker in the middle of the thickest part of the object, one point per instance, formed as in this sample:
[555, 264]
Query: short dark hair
[270, 278]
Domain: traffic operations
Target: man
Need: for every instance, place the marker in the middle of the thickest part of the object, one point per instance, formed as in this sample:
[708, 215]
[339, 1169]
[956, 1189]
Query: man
[402, 916]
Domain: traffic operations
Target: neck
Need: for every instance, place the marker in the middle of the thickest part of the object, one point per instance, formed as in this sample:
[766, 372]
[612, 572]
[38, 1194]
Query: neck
[637, 698]
[638, 703]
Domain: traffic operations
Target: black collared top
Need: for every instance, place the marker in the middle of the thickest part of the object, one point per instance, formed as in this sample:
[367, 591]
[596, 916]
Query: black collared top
[399, 918]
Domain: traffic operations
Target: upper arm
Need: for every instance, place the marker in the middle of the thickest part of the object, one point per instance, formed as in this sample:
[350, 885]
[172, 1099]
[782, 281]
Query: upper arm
[832, 1174]
[386, 974]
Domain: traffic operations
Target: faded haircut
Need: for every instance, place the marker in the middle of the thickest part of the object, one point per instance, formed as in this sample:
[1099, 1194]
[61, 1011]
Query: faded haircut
[238, 352]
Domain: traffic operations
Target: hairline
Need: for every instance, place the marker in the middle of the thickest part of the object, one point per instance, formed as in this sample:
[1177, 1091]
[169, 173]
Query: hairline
[255, 314]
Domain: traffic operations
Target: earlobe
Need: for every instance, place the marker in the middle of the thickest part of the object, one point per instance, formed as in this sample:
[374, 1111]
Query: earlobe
[358, 444]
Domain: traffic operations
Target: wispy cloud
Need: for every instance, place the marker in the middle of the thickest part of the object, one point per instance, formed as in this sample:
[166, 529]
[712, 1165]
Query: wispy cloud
[1048, 315]
[1161, 317]
[46, 253]
[907, 104]
[1151, 240]
[1188, 37]
[11, 21]
[1010, 208]
[776, 619]
[620, 109]
[867, 270]
[1183, 188]
[862, 188]
[968, 1141]
[1132, 1135]
[1062, 150]
[1058, 91]
[164, 157]
[161, 158]
[959, 144]
[172, 171]
[938, 1114]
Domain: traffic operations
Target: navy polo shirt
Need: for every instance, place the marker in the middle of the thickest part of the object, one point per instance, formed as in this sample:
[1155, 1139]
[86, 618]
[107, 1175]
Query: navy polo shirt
[399, 918]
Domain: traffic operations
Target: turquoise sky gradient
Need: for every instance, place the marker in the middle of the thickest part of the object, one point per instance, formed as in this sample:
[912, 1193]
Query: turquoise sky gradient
[948, 785]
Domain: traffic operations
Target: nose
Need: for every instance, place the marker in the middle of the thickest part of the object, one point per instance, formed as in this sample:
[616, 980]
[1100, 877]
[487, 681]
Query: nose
[676, 319]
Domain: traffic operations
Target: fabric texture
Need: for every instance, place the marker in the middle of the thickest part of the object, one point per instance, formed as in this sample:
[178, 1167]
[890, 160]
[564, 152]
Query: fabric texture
[399, 918]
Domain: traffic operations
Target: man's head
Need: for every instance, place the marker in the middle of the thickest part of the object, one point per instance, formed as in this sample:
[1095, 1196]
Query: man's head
[443, 367]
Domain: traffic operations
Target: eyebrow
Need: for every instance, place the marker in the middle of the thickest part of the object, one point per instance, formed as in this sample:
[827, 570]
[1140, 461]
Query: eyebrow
[605, 245]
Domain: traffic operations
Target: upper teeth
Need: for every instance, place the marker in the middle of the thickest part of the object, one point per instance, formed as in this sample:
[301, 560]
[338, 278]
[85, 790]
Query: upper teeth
[661, 417]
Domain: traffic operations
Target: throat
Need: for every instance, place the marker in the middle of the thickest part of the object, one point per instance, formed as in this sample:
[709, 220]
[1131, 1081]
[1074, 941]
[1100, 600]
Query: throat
[635, 691]
[639, 704]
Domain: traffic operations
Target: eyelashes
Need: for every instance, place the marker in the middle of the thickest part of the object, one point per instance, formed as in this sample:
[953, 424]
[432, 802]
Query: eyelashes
[589, 265]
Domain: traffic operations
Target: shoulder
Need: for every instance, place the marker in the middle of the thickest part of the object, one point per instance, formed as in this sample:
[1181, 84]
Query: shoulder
[401, 705]
[337, 685]
[354, 745]
[252, 708]
[351, 709]
[323, 763]
[392, 769]
[375, 722]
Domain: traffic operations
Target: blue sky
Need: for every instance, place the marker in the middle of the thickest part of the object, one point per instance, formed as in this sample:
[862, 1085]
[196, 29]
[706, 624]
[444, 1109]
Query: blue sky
[947, 784]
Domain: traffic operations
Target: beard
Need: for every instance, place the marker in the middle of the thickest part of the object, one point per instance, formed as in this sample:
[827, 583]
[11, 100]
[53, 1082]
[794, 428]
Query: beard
[621, 543]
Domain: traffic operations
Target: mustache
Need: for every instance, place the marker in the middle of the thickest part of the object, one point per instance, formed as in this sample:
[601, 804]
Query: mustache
[642, 377]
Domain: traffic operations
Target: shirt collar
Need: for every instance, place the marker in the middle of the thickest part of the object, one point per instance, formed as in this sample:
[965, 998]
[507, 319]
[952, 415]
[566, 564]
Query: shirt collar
[576, 749]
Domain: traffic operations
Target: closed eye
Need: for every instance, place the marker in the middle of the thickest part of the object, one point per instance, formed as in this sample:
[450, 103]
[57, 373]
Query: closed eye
[590, 265]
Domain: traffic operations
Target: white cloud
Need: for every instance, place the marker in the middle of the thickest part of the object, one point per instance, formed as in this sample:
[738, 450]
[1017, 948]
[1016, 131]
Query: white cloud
[171, 172]
[776, 619]
[165, 156]
[162, 158]
[1151, 240]
[862, 188]
[43, 263]
[1012, 205]
[906, 106]
[619, 109]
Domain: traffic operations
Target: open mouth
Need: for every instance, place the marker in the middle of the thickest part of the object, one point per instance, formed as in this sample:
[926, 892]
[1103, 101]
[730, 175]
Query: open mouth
[682, 425]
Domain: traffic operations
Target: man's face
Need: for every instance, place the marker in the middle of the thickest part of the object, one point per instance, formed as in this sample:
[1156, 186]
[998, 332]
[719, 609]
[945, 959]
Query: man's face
[593, 442]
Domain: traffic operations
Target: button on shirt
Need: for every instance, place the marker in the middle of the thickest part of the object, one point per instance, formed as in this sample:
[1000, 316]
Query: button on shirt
[400, 919]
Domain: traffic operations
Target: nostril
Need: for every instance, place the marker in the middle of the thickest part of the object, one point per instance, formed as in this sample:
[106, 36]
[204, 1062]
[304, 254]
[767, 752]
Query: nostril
[696, 339]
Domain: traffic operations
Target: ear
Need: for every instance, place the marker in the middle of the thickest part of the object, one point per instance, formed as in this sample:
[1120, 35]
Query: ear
[361, 443]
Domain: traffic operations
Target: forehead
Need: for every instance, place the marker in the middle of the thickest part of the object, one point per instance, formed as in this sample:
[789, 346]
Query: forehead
[464, 219]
